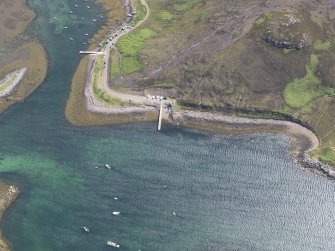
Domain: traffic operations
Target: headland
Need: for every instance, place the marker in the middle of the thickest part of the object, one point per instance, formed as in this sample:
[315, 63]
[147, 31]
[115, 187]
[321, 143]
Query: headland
[93, 100]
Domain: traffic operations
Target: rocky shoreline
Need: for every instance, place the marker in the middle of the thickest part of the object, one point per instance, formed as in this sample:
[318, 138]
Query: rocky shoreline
[8, 194]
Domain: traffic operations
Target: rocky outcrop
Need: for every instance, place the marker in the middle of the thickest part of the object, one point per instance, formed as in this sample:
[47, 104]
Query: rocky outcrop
[8, 195]
[281, 44]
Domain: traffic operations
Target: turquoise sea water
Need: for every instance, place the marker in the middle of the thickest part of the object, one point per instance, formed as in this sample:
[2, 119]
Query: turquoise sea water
[228, 192]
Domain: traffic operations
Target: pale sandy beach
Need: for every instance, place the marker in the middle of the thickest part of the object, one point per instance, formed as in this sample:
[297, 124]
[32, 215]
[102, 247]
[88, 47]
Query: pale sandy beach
[11, 81]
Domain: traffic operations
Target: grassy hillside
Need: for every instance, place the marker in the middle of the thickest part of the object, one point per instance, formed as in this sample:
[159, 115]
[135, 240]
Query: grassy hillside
[239, 56]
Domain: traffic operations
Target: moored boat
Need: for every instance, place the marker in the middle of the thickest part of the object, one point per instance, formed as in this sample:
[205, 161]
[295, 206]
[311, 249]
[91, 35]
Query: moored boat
[85, 229]
[113, 244]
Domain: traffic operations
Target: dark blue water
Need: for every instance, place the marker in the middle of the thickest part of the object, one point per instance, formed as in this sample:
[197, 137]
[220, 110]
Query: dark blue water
[227, 192]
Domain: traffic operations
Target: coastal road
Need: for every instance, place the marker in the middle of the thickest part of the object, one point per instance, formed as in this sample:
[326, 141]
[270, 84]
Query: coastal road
[103, 81]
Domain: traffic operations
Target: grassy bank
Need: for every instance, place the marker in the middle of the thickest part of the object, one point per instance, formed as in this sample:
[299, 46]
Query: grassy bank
[76, 111]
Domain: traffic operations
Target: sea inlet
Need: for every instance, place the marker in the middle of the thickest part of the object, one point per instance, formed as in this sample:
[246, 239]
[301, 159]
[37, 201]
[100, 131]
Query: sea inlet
[179, 189]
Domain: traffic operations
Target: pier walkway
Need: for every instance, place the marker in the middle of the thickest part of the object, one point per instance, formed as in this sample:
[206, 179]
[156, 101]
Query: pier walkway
[160, 117]
[92, 52]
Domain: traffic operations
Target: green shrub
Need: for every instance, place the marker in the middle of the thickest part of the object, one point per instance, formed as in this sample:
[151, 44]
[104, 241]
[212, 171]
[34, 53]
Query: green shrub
[236, 34]
[260, 21]
[287, 51]
[322, 46]
[165, 16]
[263, 18]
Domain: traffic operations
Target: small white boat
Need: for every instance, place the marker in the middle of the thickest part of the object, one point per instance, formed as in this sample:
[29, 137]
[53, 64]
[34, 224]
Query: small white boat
[174, 213]
[88, 7]
[115, 198]
[76, 5]
[85, 229]
[86, 34]
[71, 38]
[108, 166]
[113, 244]
[70, 12]
[65, 27]
[116, 213]
[94, 20]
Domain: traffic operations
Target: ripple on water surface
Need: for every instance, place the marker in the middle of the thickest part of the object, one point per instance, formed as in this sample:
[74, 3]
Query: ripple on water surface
[176, 190]
[227, 193]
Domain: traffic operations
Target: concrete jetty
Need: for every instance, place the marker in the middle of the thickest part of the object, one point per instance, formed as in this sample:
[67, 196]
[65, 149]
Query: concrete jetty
[160, 117]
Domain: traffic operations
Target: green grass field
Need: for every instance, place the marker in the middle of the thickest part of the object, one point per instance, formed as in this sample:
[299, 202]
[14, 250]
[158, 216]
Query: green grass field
[129, 46]
[301, 91]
